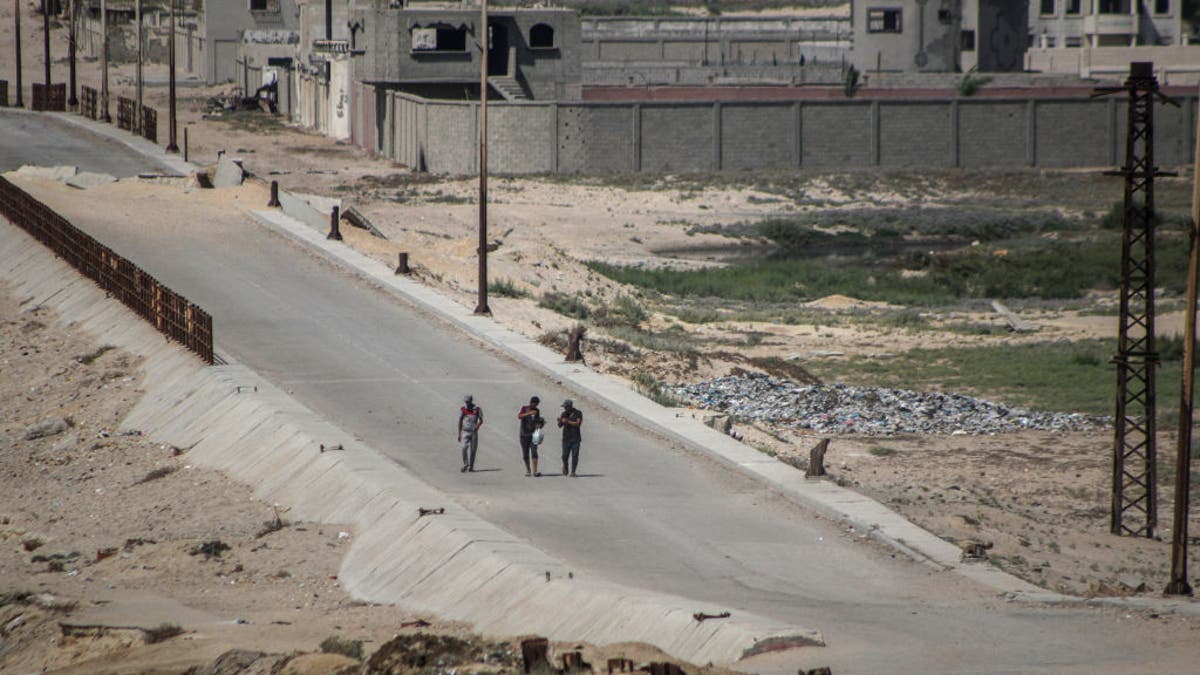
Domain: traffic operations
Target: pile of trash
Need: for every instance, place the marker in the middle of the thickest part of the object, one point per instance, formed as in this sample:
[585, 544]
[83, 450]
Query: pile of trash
[873, 411]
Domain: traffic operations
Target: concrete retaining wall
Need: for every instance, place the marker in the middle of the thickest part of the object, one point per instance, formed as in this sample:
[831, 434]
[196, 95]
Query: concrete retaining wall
[455, 565]
[607, 137]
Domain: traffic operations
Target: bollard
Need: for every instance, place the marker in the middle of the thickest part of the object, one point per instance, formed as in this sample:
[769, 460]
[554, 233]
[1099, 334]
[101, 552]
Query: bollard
[402, 265]
[533, 654]
[274, 188]
[185, 144]
[335, 231]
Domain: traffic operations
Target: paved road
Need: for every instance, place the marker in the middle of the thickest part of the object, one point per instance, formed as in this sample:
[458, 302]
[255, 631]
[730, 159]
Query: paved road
[44, 140]
[644, 512]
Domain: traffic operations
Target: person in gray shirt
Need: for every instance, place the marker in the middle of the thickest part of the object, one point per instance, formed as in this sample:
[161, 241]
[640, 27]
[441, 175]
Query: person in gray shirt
[470, 419]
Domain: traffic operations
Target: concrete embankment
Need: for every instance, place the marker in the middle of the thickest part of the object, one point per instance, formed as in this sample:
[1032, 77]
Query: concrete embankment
[453, 564]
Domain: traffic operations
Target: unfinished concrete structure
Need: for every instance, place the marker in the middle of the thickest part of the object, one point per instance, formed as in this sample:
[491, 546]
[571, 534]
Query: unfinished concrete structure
[938, 36]
[214, 51]
[1102, 37]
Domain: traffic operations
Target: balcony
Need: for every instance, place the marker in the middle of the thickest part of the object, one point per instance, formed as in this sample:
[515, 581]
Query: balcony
[1109, 24]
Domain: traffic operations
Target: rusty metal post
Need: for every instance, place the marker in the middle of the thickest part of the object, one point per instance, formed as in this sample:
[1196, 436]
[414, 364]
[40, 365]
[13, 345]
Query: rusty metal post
[104, 114]
[482, 306]
[17, 27]
[137, 117]
[402, 263]
[46, 43]
[335, 230]
[1178, 585]
[274, 184]
[533, 654]
[73, 100]
[171, 146]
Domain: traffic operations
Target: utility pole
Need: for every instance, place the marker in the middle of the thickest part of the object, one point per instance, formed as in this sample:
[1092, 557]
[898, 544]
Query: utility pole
[46, 43]
[171, 146]
[17, 21]
[482, 306]
[104, 116]
[1179, 533]
[1135, 473]
[137, 114]
[73, 101]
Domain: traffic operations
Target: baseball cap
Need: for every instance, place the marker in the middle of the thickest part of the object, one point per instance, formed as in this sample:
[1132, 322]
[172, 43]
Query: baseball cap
[468, 398]
[568, 403]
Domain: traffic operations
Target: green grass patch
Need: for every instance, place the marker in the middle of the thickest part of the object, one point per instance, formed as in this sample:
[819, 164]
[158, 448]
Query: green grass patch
[881, 451]
[506, 288]
[567, 305]
[654, 390]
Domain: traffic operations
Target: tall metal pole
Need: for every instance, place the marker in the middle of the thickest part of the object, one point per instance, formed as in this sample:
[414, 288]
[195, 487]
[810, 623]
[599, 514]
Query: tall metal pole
[171, 146]
[482, 306]
[73, 100]
[17, 22]
[1135, 472]
[46, 43]
[104, 116]
[137, 114]
[1183, 448]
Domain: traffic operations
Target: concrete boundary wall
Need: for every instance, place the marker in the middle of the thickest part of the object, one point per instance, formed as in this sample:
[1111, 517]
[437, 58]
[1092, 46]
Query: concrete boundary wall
[455, 565]
[618, 137]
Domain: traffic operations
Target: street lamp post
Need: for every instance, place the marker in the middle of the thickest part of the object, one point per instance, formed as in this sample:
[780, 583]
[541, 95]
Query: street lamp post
[104, 116]
[137, 114]
[46, 43]
[17, 23]
[73, 101]
[171, 146]
[482, 306]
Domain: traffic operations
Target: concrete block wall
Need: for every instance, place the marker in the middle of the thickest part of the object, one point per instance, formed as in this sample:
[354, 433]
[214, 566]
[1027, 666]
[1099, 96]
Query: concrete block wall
[754, 135]
[677, 137]
[607, 137]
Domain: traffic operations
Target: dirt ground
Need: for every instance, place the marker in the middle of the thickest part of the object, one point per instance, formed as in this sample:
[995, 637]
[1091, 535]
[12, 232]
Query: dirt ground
[1039, 499]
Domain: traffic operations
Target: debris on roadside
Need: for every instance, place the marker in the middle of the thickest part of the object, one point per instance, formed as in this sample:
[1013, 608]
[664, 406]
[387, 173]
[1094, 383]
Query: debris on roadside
[872, 411]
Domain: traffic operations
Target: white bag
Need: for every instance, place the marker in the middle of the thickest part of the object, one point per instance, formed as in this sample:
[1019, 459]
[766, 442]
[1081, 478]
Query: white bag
[538, 436]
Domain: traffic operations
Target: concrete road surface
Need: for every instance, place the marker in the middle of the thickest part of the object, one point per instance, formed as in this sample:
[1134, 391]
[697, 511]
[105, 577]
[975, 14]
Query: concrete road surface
[643, 512]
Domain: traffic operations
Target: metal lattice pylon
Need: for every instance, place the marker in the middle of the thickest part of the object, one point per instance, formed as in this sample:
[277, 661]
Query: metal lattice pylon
[1134, 498]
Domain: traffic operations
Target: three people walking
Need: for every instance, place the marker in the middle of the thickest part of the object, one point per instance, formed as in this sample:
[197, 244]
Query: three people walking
[530, 434]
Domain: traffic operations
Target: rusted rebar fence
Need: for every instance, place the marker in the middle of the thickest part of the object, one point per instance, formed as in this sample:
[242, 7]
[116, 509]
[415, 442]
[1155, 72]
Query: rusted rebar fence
[150, 124]
[125, 113]
[52, 98]
[88, 102]
[170, 313]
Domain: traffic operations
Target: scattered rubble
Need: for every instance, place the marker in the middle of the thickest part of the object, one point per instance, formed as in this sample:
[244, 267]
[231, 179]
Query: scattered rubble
[872, 411]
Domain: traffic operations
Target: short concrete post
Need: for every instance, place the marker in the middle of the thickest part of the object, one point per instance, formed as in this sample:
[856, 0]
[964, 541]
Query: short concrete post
[274, 203]
[335, 231]
[575, 343]
[816, 459]
[402, 263]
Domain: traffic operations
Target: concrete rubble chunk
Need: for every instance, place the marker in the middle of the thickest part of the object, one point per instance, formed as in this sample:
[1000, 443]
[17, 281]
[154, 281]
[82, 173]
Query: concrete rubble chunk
[57, 173]
[87, 179]
[872, 411]
[229, 172]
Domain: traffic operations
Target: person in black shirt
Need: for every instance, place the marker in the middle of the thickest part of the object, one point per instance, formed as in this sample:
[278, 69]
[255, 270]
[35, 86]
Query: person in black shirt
[569, 421]
[530, 421]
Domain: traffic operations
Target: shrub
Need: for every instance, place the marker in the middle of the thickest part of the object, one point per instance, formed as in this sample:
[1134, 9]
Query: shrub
[567, 305]
[506, 288]
[336, 645]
